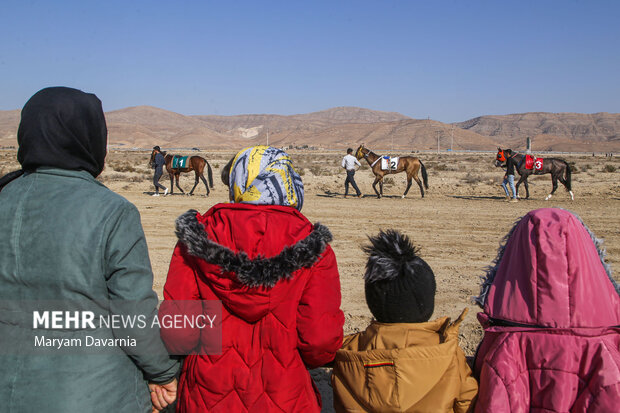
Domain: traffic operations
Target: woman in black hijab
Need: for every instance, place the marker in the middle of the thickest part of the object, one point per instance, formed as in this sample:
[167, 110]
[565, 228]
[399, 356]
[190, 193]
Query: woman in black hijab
[64, 128]
[67, 238]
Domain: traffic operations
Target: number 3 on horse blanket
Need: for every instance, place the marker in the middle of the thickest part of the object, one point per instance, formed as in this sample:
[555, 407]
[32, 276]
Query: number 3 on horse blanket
[179, 162]
[533, 163]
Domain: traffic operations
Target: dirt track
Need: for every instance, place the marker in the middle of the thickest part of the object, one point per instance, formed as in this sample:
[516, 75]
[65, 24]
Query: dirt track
[458, 225]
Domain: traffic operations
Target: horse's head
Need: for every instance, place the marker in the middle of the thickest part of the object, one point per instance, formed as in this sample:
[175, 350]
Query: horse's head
[502, 156]
[361, 152]
[152, 159]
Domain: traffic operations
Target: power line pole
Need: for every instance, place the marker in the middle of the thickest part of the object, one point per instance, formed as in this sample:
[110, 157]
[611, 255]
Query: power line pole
[452, 139]
[267, 136]
[438, 132]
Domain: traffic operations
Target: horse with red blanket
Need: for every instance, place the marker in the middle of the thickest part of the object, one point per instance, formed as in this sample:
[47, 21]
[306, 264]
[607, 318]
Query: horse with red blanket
[528, 165]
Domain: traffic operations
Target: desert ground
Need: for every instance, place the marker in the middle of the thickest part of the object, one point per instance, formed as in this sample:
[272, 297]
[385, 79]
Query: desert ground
[458, 224]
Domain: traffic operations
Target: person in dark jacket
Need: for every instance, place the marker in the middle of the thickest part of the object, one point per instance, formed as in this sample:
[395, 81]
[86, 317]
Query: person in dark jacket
[278, 282]
[158, 165]
[509, 177]
[67, 239]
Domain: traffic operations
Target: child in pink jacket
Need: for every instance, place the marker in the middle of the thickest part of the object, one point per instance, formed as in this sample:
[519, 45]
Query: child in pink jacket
[551, 321]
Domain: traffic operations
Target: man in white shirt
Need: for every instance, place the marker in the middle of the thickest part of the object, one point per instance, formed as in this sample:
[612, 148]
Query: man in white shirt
[348, 163]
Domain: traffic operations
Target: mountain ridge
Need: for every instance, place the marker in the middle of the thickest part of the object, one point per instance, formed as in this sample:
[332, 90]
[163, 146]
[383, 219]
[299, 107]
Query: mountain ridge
[339, 127]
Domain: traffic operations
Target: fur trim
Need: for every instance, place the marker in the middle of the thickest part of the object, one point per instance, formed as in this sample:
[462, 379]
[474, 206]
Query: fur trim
[487, 279]
[389, 254]
[259, 272]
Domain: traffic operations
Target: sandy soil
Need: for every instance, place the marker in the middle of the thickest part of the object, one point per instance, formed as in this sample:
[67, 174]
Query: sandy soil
[458, 225]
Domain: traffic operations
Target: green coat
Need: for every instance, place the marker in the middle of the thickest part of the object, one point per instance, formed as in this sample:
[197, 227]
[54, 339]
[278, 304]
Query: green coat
[65, 236]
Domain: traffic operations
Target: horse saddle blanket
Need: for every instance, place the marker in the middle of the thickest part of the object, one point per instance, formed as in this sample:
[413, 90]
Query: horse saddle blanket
[388, 163]
[179, 161]
[533, 163]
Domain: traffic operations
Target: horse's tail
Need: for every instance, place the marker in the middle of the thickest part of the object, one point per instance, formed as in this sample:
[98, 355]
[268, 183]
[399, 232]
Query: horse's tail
[568, 177]
[424, 175]
[210, 174]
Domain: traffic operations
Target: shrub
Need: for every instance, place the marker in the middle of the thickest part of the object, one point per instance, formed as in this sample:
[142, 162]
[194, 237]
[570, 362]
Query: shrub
[317, 170]
[389, 181]
[123, 167]
[609, 168]
[573, 168]
[472, 178]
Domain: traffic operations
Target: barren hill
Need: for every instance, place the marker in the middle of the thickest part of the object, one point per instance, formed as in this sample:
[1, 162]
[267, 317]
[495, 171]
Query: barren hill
[551, 131]
[254, 124]
[341, 127]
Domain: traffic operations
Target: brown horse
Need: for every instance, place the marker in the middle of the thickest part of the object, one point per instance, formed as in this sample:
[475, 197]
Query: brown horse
[409, 164]
[558, 168]
[226, 172]
[194, 163]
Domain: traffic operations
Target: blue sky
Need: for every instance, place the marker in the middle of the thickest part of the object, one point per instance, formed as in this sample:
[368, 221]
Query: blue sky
[449, 60]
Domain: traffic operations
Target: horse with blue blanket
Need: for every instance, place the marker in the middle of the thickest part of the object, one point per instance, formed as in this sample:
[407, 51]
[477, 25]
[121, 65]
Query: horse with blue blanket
[177, 164]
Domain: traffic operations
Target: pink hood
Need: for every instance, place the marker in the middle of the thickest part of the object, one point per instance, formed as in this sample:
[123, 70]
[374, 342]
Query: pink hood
[550, 273]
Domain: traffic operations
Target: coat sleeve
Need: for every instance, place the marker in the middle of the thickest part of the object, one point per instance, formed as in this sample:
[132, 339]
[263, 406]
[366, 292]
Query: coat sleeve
[319, 318]
[129, 281]
[469, 386]
[180, 290]
[492, 395]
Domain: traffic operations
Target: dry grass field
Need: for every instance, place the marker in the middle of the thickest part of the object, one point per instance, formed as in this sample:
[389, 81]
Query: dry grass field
[458, 225]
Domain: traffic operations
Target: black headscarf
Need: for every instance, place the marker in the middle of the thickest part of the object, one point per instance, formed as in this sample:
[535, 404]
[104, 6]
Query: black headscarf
[63, 128]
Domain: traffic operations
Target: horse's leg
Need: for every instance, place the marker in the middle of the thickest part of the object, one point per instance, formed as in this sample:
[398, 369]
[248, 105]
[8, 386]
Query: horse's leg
[176, 178]
[381, 187]
[204, 181]
[374, 185]
[171, 175]
[554, 181]
[563, 181]
[522, 179]
[409, 182]
[419, 181]
[527, 188]
[195, 182]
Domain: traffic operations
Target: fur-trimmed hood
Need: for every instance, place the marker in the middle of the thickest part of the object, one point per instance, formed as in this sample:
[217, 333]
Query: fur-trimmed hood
[257, 272]
[251, 251]
[551, 272]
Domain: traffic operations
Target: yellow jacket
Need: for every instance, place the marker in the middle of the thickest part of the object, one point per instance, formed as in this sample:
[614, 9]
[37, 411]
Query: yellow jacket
[404, 367]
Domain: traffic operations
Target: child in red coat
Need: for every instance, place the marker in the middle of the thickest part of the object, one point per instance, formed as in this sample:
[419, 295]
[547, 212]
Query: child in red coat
[278, 282]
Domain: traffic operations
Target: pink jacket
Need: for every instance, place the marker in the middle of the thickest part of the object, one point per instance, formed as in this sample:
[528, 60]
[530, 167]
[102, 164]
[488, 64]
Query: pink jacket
[551, 322]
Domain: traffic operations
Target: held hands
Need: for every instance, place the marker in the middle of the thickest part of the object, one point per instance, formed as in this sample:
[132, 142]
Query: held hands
[163, 394]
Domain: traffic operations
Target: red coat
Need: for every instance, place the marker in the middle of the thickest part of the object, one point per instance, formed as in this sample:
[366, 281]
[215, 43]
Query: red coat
[281, 310]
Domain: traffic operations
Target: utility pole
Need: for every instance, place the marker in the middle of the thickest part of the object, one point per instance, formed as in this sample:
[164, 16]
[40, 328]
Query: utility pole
[267, 136]
[452, 139]
[438, 132]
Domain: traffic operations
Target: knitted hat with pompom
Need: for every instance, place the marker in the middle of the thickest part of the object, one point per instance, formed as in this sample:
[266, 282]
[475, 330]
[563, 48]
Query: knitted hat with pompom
[400, 286]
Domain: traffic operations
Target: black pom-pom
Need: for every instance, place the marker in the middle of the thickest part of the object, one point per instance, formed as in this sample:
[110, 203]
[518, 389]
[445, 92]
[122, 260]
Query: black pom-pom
[390, 254]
